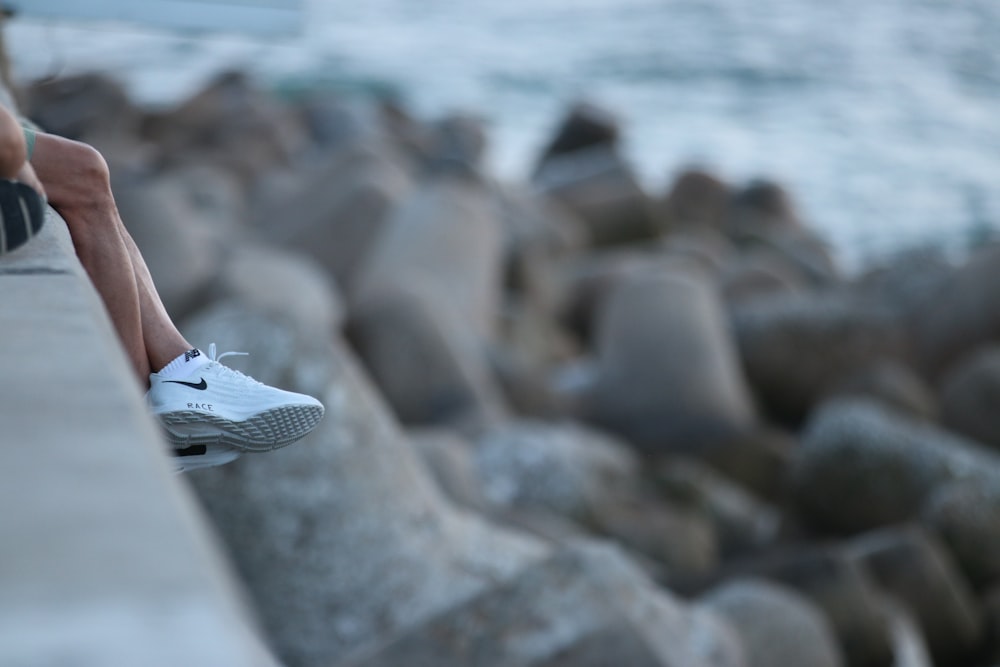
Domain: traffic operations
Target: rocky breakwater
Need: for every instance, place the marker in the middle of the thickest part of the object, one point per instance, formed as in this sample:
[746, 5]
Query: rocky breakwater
[569, 421]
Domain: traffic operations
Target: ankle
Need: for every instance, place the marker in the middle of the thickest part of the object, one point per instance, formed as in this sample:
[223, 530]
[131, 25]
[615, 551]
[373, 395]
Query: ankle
[184, 364]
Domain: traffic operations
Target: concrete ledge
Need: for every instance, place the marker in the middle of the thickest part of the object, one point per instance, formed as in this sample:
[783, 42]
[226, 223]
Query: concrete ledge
[105, 559]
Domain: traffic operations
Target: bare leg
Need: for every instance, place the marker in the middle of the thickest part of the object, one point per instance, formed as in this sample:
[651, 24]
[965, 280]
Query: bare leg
[217, 428]
[162, 339]
[13, 152]
[78, 185]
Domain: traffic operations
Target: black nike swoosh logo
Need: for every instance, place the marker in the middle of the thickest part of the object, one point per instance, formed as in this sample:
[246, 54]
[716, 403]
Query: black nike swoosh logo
[194, 385]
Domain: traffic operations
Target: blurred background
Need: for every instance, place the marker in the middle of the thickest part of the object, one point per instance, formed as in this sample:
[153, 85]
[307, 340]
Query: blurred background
[670, 326]
[880, 117]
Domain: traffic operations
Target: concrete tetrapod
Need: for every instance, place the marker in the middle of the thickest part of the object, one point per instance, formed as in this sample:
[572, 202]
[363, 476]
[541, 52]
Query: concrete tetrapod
[426, 363]
[335, 212]
[912, 566]
[669, 377]
[342, 538]
[778, 625]
[586, 606]
[862, 466]
[446, 241]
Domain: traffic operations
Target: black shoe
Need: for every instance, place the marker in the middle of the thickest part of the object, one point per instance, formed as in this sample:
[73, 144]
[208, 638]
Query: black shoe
[22, 212]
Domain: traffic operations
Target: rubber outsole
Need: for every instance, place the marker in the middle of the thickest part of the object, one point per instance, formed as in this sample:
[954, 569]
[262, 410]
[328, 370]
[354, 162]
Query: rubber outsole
[262, 432]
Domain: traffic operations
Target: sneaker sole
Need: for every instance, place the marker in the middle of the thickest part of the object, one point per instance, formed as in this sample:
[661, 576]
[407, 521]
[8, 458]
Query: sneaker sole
[263, 432]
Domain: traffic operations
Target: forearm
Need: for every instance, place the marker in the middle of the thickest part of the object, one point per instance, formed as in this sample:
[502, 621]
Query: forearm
[13, 150]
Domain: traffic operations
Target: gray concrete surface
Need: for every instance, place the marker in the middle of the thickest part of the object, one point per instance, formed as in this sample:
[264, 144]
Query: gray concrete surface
[105, 559]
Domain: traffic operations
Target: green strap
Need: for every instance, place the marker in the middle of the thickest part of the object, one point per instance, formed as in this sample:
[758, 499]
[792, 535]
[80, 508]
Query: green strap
[29, 142]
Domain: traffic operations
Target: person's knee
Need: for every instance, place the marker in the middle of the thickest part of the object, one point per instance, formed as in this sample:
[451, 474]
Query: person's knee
[90, 166]
[83, 180]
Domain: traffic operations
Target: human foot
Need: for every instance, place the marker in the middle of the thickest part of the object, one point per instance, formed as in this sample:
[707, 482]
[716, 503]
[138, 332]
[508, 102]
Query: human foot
[200, 401]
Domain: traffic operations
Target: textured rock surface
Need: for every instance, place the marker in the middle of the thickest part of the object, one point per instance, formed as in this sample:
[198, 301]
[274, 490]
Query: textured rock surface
[836, 584]
[758, 274]
[682, 540]
[777, 626]
[335, 211]
[696, 199]
[861, 466]
[668, 376]
[280, 282]
[536, 227]
[800, 250]
[991, 614]
[761, 204]
[907, 282]
[457, 142]
[561, 608]
[585, 125]
[230, 123]
[599, 187]
[960, 315]
[742, 523]
[342, 538]
[970, 395]
[83, 107]
[581, 301]
[426, 363]
[449, 458]
[797, 347]
[918, 571]
[445, 241]
[588, 279]
[908, 646]
[561, 468]
[848, 598]
[893, 384]
[758, 461]
[966, 516]
[709, 249]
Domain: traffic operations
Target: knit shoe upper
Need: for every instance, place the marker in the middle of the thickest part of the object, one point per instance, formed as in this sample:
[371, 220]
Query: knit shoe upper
[218, 405]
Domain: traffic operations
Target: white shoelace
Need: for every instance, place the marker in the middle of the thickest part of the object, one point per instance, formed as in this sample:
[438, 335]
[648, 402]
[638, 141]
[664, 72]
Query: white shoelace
[211, 353]
[230, 371]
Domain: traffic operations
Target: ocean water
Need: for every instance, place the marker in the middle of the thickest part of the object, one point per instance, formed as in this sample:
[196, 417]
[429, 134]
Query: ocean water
[882, 118]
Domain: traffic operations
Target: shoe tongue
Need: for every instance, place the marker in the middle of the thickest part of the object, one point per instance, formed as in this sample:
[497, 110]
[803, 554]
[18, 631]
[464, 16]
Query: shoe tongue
[184, 364]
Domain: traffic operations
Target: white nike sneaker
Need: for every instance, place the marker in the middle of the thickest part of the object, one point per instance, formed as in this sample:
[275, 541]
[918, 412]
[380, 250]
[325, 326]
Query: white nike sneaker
[216, 405]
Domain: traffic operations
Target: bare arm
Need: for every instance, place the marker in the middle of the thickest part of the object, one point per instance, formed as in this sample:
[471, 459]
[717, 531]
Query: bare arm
[13, 152]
